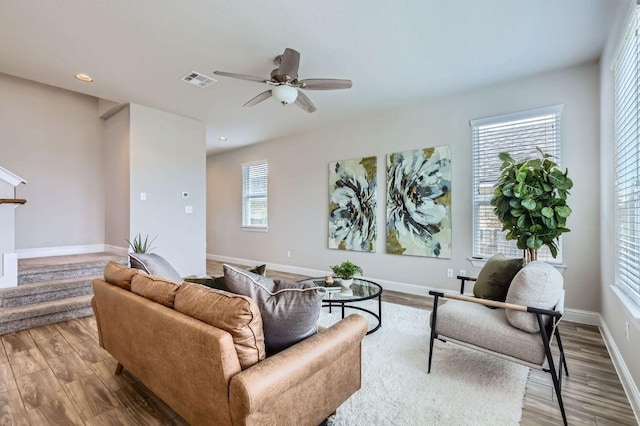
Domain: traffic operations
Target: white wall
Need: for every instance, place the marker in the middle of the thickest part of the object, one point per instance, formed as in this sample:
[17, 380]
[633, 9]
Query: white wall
[612, 311]
[117, 174]
[167, 157]
[52, 138]
[298, 183]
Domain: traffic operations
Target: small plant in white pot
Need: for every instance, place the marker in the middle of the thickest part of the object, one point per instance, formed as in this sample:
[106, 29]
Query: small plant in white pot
[345, 271]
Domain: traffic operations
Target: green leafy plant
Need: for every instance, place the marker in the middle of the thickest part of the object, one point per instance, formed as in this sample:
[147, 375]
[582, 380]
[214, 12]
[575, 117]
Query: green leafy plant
[138, 245]
[530, 202]
[346, 270]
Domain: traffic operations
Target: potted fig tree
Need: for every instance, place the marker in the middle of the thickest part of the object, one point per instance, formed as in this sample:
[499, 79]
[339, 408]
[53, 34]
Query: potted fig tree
[530, 200]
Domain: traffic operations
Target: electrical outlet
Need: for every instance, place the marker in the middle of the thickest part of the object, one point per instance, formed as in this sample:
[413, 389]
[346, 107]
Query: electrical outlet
[626, 331]
[449, 273]
[463, 273]
[188, 209]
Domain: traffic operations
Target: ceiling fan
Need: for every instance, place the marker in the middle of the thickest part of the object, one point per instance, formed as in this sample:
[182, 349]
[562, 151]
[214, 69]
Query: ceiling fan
[286, 85]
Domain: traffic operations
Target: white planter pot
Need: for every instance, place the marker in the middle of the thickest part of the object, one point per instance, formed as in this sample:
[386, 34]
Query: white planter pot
[346, 283]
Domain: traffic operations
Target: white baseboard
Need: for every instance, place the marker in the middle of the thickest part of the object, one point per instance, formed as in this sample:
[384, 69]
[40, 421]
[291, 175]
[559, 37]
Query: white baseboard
[386, 284]
[274, 266]
[123, 251]
[582, 317]
[573, 315]
[59, 251]
[624, 374]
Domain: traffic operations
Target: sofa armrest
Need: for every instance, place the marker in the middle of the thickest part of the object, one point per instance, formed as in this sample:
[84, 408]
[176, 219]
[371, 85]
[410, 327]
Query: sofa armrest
[303, 384]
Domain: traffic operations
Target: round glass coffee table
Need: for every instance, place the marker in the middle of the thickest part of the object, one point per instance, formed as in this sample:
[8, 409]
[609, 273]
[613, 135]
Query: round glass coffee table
[361, 290]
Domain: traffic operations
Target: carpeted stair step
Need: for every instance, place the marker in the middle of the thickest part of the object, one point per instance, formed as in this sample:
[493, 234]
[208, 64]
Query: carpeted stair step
[36, 315]
[27, 294]
[64, 267]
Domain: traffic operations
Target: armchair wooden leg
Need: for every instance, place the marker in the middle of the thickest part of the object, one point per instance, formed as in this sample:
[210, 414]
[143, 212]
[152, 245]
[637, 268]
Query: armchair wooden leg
[119, 369]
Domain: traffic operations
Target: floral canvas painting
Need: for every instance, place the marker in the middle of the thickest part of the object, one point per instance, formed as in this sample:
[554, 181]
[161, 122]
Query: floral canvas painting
[352, 204]
[419, 202]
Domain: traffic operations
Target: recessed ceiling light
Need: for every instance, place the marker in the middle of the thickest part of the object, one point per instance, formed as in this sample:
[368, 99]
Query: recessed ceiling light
[222, 138]
[84, 77]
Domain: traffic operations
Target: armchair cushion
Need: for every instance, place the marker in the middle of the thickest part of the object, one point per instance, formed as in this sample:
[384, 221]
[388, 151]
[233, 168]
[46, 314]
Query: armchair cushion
[495, 277]
[489, 329]
[537, 285]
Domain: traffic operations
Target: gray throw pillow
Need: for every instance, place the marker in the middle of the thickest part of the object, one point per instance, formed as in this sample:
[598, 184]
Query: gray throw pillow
[154, 265]
[495, 277]
[290, 311]
[538, 285]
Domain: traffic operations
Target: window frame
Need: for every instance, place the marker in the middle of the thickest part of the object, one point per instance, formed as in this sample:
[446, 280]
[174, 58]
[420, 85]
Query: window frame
[536, 115]
[246, 197]
[627, 155]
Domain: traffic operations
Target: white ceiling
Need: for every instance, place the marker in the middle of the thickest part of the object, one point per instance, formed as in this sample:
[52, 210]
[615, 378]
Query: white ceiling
[395, 52]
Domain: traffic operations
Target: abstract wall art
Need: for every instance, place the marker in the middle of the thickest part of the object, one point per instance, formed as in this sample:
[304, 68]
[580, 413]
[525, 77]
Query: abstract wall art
[419, 202]
[352, 204]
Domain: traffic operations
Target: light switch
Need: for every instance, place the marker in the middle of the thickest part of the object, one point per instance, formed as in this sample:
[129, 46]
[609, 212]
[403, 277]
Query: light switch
[188, 209]
[143, 196]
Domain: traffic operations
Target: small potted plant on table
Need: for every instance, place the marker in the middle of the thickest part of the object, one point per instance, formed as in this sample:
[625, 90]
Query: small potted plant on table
[345, 271]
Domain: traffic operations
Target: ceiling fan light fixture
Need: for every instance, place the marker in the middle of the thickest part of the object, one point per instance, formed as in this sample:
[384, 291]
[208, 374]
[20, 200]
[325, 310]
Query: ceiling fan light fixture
[284, 94]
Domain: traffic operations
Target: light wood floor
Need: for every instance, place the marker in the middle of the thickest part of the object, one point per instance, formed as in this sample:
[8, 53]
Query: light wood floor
[58, 374]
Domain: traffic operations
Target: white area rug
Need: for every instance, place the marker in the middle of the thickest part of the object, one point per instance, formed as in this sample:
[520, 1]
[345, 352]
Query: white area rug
[465, 387]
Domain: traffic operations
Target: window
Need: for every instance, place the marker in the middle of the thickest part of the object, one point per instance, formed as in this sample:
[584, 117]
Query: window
[518, 133]
[627, 183]
[254, 195]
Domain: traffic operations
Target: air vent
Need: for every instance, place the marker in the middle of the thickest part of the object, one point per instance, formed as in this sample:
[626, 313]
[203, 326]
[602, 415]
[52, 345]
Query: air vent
[198, 79]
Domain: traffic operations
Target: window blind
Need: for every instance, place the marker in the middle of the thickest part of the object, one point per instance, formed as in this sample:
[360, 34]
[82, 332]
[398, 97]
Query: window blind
[627, 184]
[254, 194]
[519, 134]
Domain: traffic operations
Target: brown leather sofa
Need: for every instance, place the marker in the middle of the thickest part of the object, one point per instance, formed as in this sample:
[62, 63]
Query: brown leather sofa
[204, 372]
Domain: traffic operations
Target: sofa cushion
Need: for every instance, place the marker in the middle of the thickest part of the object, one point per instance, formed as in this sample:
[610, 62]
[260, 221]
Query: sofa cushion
[154, 265]
[488, 328]
[238, 315]
[538, 285]
[495, 277]
[158, 289]
[290, 311]
[120, 275]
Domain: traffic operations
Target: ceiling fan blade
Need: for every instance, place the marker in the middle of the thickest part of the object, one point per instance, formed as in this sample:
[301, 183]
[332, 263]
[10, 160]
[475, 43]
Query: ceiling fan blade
[324, 84]
[289, 63]
[261, 97]
[241, 76]
[305, 103]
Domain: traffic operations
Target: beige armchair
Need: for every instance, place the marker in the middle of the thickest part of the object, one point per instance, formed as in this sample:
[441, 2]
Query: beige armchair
[516, 331]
